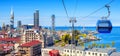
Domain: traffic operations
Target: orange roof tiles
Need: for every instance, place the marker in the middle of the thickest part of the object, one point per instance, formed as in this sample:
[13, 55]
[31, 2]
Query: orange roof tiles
[29, 44]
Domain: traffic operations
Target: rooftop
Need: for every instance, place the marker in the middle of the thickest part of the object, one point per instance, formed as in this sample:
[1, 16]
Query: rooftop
[65, 47]
[115, 54]
[31, 43]
[54, 51]
[74, 47]
[103, 50]
[16, 39]
[55, 47]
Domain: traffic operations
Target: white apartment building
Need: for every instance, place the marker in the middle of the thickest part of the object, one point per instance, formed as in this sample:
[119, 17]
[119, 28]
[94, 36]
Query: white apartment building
[79, 51]
[115, 54]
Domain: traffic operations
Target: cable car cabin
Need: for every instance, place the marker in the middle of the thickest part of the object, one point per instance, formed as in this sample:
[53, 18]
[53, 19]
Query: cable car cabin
[104, 26]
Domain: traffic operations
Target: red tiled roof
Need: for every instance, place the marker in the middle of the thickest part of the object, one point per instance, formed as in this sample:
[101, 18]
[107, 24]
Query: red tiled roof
[10, 39]
[29, 44]
[7, 45]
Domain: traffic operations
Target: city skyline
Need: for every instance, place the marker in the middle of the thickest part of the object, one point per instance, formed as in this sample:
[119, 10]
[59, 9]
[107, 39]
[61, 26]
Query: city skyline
[24, 9]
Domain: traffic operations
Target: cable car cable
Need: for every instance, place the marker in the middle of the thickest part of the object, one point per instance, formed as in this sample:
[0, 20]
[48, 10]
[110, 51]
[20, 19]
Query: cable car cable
[76, 5]
[98, 9]
[65, 8]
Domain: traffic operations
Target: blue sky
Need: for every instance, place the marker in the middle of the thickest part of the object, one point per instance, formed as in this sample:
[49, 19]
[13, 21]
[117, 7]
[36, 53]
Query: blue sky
[24, 9]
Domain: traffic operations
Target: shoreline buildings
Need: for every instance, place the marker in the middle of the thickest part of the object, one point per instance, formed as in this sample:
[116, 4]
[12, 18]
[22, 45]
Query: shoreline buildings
[32, 48]
[80, 51]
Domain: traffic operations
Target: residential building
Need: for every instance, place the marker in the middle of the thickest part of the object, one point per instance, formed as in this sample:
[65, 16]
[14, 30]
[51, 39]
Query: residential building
[115, 54]
[100, 51]
[79, 51]
[3, 34]
[32, 48]
[32, 34]
[6, 49]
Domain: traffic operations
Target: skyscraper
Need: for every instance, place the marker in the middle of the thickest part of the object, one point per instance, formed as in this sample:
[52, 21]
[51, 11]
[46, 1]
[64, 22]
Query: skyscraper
[36, 19]
[53, 23]
[19, 24]
[53, 26]
[12, 19]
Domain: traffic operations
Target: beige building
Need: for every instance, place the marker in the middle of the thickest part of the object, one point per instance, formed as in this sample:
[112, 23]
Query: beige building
[32, 34]
[32, 48]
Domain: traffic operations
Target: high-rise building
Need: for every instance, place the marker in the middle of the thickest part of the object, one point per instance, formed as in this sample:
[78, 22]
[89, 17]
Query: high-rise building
[53, 23]
[12, 19]
[36, 19]
[53, 26]
[19, 24]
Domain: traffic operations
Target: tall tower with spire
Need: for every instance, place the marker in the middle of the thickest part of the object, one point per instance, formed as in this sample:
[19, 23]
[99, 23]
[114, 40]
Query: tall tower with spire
[12, 19]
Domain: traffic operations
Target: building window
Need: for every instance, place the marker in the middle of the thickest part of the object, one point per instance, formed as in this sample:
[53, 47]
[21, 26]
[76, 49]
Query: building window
[100, 54]
[67, 50]
[77, 51]
[92, 53]
[89, 53]
[96, 54]
[85, 52]
[81, 52]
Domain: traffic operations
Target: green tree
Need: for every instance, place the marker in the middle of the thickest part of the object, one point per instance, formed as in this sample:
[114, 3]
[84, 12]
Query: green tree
[65, 38]
[97, 45]
[94, 44]
[63, 44]
[107, 45]
[82, 44]
[56, 41]
[76, 33]
[89, 46]
[113, 43]
[102, 46]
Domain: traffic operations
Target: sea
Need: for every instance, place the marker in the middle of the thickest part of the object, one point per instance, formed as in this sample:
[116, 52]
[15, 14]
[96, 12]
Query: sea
[106, 38]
